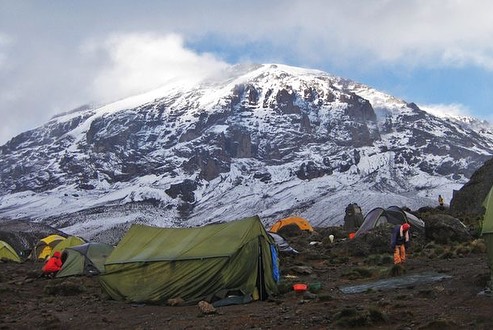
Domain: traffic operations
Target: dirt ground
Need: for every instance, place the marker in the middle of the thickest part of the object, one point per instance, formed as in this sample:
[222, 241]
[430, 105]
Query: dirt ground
[28, 302]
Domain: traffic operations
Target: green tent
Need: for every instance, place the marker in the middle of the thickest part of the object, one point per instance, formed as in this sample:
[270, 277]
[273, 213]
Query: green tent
[487, 230]
[155, 264]
[85, 259]
[8, 253]
[68, 242]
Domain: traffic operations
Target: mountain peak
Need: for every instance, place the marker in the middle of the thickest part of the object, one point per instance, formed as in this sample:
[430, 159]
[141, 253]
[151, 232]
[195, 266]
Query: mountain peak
[266, 139]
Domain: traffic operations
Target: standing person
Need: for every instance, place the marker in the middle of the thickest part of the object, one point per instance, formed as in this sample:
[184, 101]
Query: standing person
[440, 200]
[53, 265]
[399, 241]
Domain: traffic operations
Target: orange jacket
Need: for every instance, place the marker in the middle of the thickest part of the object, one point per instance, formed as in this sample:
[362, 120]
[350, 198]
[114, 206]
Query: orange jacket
[54, 264]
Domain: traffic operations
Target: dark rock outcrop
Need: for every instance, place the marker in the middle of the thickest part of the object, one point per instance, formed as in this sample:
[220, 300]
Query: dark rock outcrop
[23, 235]
[443, 229]
[469, 199]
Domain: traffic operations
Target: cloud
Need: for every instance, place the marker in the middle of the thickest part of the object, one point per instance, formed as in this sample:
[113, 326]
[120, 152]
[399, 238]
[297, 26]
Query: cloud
[446, 110]
[99, 71]
[408, 33]
[5, 42]
[79, 56]
[137, 63]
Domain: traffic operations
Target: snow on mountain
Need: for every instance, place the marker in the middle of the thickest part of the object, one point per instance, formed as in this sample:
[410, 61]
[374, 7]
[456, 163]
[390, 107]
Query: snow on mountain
[269, 139]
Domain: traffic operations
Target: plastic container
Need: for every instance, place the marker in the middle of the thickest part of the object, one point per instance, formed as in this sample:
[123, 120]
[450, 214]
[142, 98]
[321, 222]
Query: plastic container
[314, 287]
[300, 287]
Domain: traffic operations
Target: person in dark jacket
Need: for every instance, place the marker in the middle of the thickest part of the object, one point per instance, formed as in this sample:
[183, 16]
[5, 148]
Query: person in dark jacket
[53, 265]
[399, 241]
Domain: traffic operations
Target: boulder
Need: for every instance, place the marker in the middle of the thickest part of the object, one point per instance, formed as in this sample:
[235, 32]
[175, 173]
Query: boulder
[206, 308]
[469, 199]
[443, 229]
[377, 241]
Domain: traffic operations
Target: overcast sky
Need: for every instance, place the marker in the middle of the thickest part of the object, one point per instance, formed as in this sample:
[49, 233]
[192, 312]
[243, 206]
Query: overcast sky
[57, 55]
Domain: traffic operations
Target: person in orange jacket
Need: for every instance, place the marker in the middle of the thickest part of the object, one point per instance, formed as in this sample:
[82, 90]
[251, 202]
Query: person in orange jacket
[53, 265]
[399, 242]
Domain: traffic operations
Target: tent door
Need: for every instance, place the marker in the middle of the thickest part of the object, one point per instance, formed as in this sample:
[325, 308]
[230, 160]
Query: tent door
[260, 275]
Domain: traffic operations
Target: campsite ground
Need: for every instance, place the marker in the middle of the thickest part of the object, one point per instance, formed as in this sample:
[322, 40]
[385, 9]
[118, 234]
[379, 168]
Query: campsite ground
[27, 302]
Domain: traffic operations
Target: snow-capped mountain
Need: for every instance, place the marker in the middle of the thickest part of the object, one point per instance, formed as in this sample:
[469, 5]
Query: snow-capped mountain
[270, 139]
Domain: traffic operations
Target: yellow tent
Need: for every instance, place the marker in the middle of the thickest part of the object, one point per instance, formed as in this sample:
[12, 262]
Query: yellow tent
[302, 223]
[43, 248]
[8, 253]
[68, 242]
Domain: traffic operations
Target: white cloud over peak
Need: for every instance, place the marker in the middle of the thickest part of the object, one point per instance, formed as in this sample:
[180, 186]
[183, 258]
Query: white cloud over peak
[137, 63]
[446, 110]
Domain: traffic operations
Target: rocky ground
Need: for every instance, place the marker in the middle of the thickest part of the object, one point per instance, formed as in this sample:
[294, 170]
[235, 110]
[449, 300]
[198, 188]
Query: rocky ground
[456, 302]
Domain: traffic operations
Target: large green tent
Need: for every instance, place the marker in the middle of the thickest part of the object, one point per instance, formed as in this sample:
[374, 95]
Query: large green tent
[487, 230]
[85, 259]
[155, 264]
[8, 253]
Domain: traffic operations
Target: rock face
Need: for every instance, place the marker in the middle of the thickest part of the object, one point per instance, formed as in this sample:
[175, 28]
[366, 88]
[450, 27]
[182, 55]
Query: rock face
[252, 120]
[469, 199]
[267, 139]
[23, 235]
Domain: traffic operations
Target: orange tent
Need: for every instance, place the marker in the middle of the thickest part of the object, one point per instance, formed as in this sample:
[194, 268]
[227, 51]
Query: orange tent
[303, 224]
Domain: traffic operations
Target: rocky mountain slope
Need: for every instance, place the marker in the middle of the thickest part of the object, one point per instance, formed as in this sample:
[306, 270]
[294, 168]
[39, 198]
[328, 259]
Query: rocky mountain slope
[270, 139]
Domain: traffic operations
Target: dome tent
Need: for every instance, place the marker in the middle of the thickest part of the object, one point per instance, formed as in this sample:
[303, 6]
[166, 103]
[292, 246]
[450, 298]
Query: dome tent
[299, 222]
[391, 215]
[68, 242]
[8, 253]
[282, 244]
[45, 246]
[85, 259]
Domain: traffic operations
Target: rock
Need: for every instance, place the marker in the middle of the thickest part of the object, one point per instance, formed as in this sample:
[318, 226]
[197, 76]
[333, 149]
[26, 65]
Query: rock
[310, 296]
[206, 308]
[377, 240]
[443, 229]
[469, 199]
[175, 301]
[302, 270]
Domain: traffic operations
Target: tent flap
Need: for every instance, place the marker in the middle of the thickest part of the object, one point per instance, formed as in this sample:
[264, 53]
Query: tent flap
[487, 227]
